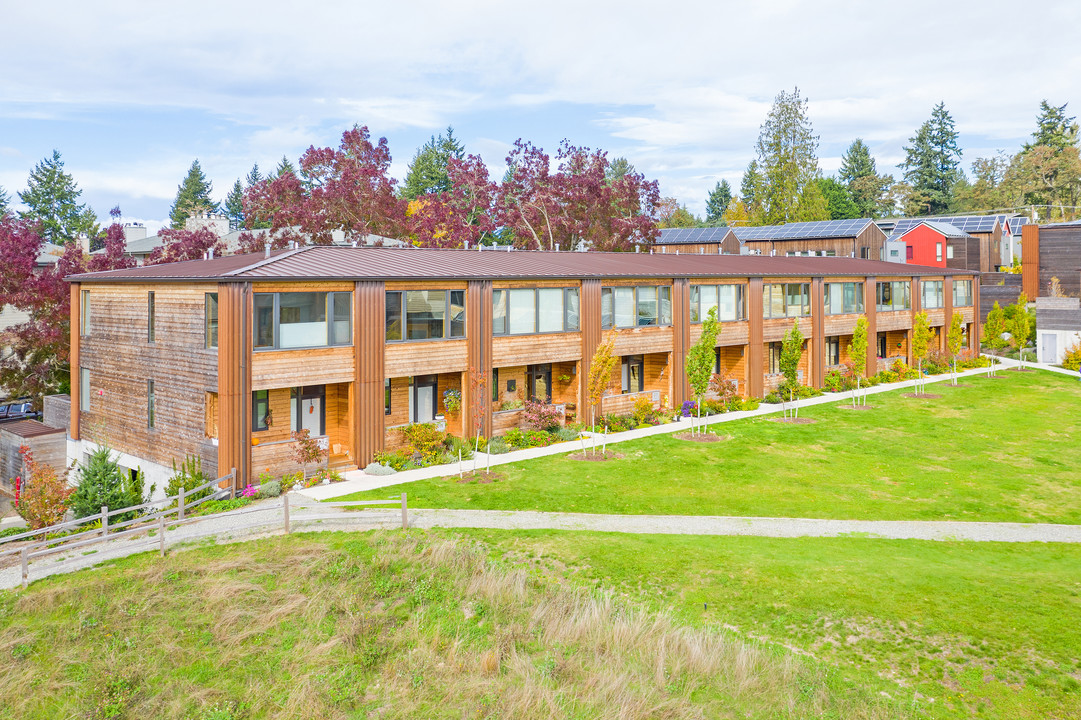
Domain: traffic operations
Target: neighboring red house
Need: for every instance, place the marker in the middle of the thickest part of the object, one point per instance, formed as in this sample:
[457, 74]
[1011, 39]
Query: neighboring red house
[935, 244]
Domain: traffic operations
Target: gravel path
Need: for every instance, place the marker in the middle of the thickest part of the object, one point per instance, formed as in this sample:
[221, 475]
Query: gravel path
[266, 519]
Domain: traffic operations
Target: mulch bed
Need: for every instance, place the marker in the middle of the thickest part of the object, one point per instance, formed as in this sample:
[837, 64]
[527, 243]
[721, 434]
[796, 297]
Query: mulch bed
[598, 457]
[794, 421]
[702, 437]
[924, 396]
[481, 477]
[857, 407]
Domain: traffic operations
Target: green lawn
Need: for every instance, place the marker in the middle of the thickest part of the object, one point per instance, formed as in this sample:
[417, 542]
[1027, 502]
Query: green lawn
[983, 629]
[996, 450]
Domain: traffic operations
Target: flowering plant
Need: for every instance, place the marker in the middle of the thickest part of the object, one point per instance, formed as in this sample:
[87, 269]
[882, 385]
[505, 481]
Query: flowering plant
[452, 400]
[249, 491]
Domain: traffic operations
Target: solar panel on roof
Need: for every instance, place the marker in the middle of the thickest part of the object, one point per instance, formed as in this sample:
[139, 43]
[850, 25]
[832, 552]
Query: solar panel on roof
[798, 230]
[964, 223]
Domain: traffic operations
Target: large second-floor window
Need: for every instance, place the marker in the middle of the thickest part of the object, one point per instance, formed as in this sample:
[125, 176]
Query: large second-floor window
[640, 306]
[302, 319]
[962, 293]
[520, 311]
[931, 294]
[728, 299]
[425, 314]
[893, 296]
[844, 298]
[780, 300]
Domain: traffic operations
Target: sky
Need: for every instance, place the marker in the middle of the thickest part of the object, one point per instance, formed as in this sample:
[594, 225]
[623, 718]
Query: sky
[130, 93]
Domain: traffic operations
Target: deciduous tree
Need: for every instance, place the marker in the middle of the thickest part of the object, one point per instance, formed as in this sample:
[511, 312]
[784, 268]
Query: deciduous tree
[791, 353]
[701, 358]
[461, 216]
[921, 339]
[993, 330]
[52, 199]
[37, 361]
[954, 337]
[600, 376]
[1020, 327]
[178, 245]
[857, 353]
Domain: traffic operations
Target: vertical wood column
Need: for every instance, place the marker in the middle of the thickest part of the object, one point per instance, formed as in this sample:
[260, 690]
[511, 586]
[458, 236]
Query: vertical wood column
[755, 371]
[73, 360]
[590, 323]
[818, 333]
[478, 331]
[681, 333]
[369, 342]
[870, 309]
[947, 305]
[234, 381]
[976, 331]
[1030, 261]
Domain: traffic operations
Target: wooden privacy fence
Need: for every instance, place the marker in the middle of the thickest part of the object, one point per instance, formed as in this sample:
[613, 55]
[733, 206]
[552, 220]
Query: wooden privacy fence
[154, 527]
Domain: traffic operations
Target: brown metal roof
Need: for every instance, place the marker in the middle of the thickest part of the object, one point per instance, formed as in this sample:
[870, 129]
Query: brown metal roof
[29, 428]
[321, 262]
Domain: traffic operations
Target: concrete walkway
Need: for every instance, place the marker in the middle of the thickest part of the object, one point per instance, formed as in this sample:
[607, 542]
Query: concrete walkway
[266, 519]
[358, 480]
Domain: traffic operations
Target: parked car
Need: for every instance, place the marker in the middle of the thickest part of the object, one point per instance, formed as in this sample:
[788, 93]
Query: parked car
[20, 410]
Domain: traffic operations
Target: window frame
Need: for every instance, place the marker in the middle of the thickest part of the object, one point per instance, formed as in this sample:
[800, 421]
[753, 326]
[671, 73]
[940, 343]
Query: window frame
[805, 300]
[936, 286]
[210, 327]
[773, 358]
[663, 306]
[388, 396]
[403, 317]
[860, 305]
[906, 295]
[150, 316]
[696, 315]
[967, 302]
[260, 399]
[84, 313]
[833, 351]
[501, 301]
[275, 320]
[151, 402]
[84, 389]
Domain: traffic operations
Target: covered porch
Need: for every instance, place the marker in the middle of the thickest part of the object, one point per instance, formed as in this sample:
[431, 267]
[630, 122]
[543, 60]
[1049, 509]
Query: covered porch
[322, 410]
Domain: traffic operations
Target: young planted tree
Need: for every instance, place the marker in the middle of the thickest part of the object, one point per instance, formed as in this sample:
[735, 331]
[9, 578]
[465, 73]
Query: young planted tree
[953, 343]
[857, 351]
[791, 353]
[993, 330]
[701, 359]
[1020, 326]
[921, 339]
[478, 399]
[600, 376]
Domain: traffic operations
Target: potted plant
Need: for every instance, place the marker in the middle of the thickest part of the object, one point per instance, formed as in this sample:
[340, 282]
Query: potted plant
[452, 401]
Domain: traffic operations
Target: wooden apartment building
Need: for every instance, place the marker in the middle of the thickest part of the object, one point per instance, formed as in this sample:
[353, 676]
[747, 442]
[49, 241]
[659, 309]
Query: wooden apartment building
[225, 358]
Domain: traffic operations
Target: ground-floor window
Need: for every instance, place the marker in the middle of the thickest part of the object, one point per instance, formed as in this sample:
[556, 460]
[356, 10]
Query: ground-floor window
[539, 382]
[633, 372]
[882, 345]
[307, 409]
[260, 410]
[774, 358]
[833, 350]
[425, 398]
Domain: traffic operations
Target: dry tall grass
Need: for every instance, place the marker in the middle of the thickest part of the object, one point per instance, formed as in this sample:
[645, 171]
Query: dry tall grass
[385, 625]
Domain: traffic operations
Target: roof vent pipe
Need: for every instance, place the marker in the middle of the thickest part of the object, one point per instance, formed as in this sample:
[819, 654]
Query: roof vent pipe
[211, 251]
[638, 248]
[509, 248]
[557, 247]
[677, 252]
[266, 249]
[354, 243]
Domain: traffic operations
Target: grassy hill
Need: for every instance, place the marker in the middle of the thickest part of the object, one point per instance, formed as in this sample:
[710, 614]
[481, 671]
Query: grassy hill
[387, 625]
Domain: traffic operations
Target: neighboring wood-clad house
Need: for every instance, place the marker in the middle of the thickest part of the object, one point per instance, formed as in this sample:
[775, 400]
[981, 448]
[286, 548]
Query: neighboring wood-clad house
[828, 238]
[1050, 251]
[224, 358]
[938, 244]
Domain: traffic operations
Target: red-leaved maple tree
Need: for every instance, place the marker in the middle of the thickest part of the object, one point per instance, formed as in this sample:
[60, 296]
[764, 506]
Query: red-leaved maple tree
[180, 245]
[36, 361]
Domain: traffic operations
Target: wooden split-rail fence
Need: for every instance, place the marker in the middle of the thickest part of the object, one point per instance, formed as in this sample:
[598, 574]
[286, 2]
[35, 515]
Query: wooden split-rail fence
[163, 515]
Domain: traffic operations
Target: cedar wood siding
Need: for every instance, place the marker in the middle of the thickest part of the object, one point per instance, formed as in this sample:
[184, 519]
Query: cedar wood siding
[1058, 252]
[234, 380]
[121, 360]
[1030, 261]
[369, 335]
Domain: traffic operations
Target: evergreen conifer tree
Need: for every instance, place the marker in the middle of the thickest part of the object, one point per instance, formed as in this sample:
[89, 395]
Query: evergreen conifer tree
[52, 199]
[192, 197]
[285, 166]
[932, 163]
[786, 150]
[5, 201]
[428, 169]
[717, 203]
[234, 205]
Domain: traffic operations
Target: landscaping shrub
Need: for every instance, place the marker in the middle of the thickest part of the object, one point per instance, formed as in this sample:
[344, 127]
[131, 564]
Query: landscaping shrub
[936, 363]
[802, 392]
[567, 434]
[425, 439]
[643, 411]
[903, 371]
[454, 444]
[521, 439]
[291, 480]
[750, 404]
[102, 482]
[541, 415]
[44, 498]
[978, 361]
[884, 376]
[394, 459]
[377, 469]
[497, 446]
[270, 489]
[688, 408]
[838, 381]
[216, 506]
[1072, 359]
[189, 475]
